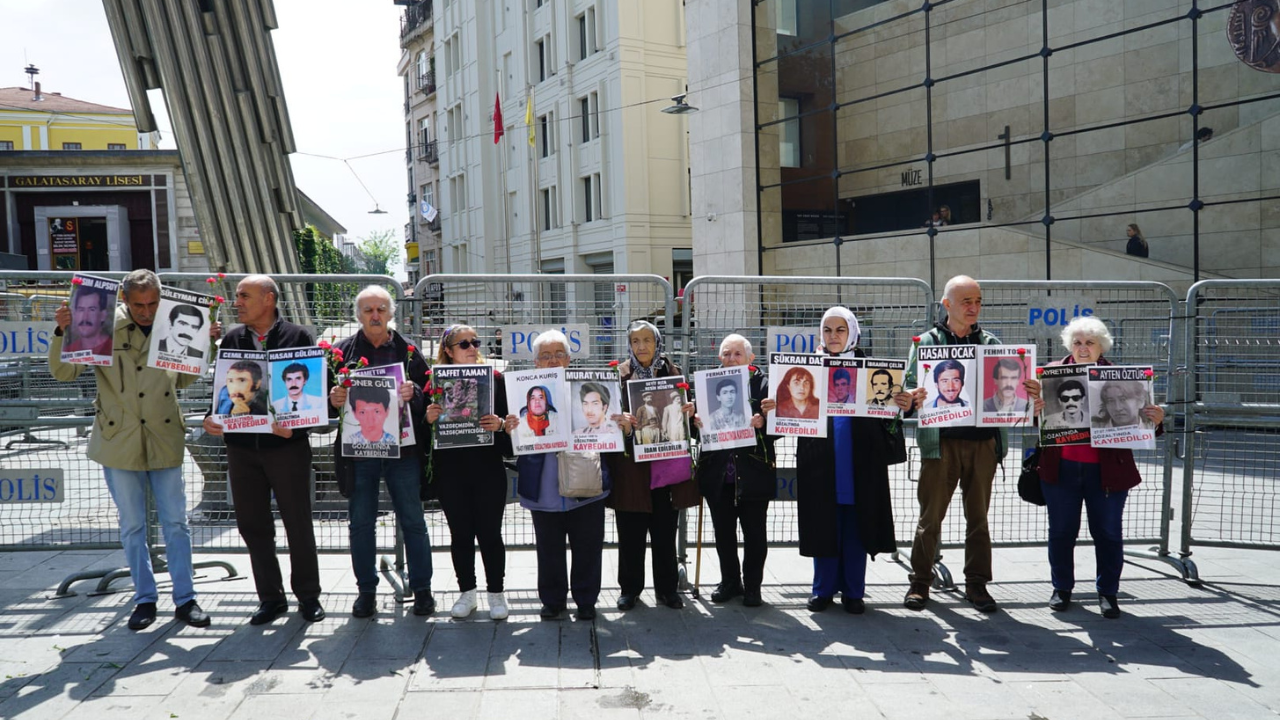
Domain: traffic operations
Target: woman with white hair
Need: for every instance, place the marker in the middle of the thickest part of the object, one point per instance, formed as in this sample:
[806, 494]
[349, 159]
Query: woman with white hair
[738, 485]
[579, 518]
[1098, 478]
[842, 489]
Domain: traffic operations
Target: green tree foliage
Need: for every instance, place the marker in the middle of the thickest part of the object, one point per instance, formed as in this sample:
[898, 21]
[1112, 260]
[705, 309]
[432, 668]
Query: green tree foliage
[380, 251]
[318, 256]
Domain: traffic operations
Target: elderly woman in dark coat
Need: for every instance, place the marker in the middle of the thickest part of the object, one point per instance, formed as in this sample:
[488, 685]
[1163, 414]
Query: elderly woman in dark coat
[641, 510]
[842, 490]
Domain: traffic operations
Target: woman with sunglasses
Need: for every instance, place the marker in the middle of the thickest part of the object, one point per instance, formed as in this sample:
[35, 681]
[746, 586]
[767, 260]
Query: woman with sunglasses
[640, 509]
[1098, 478]
[471, 483]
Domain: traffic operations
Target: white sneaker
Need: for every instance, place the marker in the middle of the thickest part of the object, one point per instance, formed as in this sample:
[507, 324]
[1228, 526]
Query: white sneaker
[466, 604]
[498, 606]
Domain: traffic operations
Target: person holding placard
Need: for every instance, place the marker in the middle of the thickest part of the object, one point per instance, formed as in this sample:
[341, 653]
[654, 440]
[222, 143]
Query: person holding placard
[472, 485]
[277, 465]
[139, 440]
[739, 483]
[647, 497]
[842, 490]
[1098, 478]
[360, 479]
[544, 480]
[950, 456]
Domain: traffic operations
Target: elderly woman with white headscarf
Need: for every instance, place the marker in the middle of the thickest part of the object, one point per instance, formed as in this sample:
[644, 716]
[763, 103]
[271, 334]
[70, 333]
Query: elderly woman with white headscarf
[842, 490]
[647, 497]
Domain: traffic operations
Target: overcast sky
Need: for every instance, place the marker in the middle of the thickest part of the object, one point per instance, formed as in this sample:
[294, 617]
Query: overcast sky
[338, 61]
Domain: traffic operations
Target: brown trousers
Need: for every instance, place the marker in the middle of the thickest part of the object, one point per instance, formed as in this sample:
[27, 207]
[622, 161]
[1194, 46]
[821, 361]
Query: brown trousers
[972, 465]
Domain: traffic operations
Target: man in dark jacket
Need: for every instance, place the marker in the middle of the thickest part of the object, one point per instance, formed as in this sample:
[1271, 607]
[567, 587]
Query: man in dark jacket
[279, 464]
[360, 479]
[738, 485]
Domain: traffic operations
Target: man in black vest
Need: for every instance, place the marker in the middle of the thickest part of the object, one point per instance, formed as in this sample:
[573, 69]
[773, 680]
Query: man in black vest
[261, 465]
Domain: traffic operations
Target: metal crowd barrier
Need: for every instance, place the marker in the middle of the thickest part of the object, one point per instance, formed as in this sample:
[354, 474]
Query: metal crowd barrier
[1217, 368]
[1232, 415]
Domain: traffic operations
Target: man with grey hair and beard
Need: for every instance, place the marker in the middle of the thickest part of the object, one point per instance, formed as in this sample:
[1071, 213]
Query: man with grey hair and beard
[278, 464]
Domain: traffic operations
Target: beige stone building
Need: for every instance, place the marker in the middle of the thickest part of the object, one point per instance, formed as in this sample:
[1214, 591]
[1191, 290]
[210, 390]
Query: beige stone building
[870, 120]
[422, 157]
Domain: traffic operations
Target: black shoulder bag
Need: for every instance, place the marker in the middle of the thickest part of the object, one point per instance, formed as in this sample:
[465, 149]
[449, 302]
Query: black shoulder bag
[1029, 488]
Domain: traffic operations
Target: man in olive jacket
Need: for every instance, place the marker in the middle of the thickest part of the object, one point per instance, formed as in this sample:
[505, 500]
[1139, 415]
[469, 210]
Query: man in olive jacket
[966, 456]
[139, 440]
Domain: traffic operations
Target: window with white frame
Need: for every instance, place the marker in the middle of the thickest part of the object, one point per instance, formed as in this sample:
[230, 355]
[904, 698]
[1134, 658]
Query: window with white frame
[587, 43]
[789, 132]
[550, 209]
[786, 11]
[547, 129]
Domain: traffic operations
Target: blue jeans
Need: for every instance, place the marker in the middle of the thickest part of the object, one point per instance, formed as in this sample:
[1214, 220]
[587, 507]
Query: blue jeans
[129, 491]
[847, 571]
[1082, 482]
[403, 476]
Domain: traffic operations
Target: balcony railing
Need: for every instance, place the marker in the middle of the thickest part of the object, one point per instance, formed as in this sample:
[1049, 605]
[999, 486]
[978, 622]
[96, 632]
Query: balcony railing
[427, 82]
[414, 17]
[429, 151]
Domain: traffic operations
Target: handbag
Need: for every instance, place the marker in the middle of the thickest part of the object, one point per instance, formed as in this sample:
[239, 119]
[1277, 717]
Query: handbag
[895, 443]
[580, 474]
[1029, 488]
[671, 471]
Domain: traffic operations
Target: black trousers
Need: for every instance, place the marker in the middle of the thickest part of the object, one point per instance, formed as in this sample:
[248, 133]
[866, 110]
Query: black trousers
[285, 472]
[583, 526]
[660, 528]
[474, 512]
[725, 517]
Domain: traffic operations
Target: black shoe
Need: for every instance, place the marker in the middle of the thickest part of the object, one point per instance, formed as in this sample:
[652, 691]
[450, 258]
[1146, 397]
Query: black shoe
[726, 591]
[424, 603]
[366, 605]
[311, 610]
[751, 598]
[818, 603]
[586, 614]
[1060, 600]
[143, 615]
[853, 606]
[1110, 606]
[549, 612]
[191, 614]
[268, 610]
[626, 602]
[673, 601]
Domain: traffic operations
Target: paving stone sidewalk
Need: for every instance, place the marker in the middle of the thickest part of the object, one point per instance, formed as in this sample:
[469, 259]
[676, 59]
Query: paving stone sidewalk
[1178, 652]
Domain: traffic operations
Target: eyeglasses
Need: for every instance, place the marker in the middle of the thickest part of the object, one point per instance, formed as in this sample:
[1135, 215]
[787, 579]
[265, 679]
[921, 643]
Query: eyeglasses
[467, 344]
[559, 355]
[1073, 398]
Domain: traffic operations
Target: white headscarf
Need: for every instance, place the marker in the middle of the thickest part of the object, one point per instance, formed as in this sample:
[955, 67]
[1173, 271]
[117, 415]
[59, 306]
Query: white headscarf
[855, 332]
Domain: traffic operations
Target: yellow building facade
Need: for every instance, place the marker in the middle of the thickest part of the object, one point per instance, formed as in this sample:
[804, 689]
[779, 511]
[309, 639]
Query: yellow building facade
[35, 120]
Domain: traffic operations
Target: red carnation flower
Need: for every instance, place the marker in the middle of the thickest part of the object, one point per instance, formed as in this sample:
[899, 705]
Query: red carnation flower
[682, 386]
[77, 281]
[613, 363]
[1149, 372]
[412, 349]
[219, 299]
[344, 371]
[1022, 352]
[364, 362]
[752, 368]
[926, 368]
[346, 382]
[324, 345]
[222, 276]
[262, 338]
[915, 339]
[210, 280]
[1039, 372]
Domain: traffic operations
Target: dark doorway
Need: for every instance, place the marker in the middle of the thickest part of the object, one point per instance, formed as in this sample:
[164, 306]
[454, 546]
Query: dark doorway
[93, 244]
[910, 209]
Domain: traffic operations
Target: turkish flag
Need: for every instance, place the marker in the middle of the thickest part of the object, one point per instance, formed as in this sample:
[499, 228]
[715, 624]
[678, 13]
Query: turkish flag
[497, 118]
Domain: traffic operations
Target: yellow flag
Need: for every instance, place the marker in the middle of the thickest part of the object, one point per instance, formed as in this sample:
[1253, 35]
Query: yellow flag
[528, 119]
